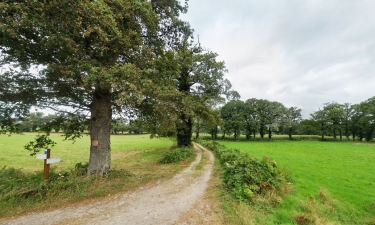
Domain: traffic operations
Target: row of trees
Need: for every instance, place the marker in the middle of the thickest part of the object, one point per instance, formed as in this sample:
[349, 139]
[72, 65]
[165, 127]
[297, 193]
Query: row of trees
[93, 61]
[263, 117]
[36, 121]
[258, 116]
[355, 120]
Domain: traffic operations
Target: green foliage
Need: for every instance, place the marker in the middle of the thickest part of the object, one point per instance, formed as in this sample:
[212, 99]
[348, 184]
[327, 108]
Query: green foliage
[233, 114]
[41, 142]
[248, 178]
[175, 155]
[258, 116]
[110, 48]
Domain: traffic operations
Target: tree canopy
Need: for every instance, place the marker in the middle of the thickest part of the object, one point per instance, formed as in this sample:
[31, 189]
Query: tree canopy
[95, 58]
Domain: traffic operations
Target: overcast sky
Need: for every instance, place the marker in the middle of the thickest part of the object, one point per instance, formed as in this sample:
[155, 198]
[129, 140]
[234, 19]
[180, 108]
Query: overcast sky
[299, 53]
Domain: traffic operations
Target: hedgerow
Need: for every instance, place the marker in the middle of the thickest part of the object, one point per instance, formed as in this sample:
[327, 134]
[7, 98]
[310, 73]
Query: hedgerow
[248, 178]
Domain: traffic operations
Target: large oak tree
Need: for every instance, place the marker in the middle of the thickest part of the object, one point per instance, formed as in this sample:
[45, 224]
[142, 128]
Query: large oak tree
[199, 83]
[93, 59]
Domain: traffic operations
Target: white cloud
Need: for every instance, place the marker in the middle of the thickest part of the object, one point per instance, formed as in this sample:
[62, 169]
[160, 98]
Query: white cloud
[300, 53]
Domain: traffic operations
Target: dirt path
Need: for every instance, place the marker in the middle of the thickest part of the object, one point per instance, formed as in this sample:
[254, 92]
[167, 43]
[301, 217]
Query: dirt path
[167, 202]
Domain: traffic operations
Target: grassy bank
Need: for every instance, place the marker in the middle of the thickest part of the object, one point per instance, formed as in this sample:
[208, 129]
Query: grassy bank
[333, 181]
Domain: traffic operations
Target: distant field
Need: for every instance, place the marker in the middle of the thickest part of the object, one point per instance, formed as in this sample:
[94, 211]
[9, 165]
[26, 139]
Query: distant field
[344, 172]
[13, 154]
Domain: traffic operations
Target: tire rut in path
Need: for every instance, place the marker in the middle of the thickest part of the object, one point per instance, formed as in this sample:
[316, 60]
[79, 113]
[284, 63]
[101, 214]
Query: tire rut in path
[160, 204]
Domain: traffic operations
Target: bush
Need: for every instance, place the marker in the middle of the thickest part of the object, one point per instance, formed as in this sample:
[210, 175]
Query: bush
[247, 178]
[175, 155]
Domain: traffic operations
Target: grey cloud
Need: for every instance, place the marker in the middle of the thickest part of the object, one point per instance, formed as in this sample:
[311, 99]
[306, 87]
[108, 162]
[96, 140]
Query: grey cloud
[300, 53]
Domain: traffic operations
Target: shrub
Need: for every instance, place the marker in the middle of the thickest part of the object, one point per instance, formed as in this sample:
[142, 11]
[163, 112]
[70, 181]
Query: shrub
[175, 155]
[246, 177]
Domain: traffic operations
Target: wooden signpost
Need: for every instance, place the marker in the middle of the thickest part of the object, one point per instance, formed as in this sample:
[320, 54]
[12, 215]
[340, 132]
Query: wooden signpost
[47, 161]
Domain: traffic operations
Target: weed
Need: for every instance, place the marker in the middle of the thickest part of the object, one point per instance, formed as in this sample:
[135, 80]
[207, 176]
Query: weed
[303, 219]
[80, 168]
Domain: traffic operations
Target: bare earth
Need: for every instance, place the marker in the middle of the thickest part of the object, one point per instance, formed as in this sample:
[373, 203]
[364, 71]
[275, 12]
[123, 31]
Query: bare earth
[182, 200]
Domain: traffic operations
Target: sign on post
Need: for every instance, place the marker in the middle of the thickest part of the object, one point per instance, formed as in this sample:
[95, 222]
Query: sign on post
[41, 156]
[53, 160]
[47, 161]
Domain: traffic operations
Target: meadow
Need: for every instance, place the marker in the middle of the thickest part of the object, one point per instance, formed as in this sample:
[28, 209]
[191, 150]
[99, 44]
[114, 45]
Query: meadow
[332, 181]
[14, 155]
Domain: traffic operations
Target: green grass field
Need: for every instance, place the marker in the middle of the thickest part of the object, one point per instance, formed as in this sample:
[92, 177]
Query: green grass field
[332, 181]
[14, 155]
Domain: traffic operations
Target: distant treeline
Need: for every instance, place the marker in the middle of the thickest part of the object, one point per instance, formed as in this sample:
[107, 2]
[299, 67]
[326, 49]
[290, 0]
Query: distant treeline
[266, 118]
[36, 120]
[257, 119]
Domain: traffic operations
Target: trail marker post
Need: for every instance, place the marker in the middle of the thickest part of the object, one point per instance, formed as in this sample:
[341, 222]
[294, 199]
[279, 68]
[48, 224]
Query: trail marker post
[47, 161]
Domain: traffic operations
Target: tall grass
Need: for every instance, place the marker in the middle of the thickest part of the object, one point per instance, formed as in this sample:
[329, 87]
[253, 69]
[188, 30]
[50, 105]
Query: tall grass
[333, 181]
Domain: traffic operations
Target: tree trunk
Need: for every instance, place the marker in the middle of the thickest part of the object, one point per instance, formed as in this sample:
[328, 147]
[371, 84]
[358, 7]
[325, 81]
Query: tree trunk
[100, 129]
[184, 131]
[334, 134]
[269, 133]
[197, 132]
[214, 133]
[290, 133]
[347, 131]
[340, 131]
[369, 135]
[261, 132]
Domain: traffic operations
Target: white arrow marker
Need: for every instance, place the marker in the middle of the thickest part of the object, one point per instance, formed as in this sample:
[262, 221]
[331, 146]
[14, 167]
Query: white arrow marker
[53, 160]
